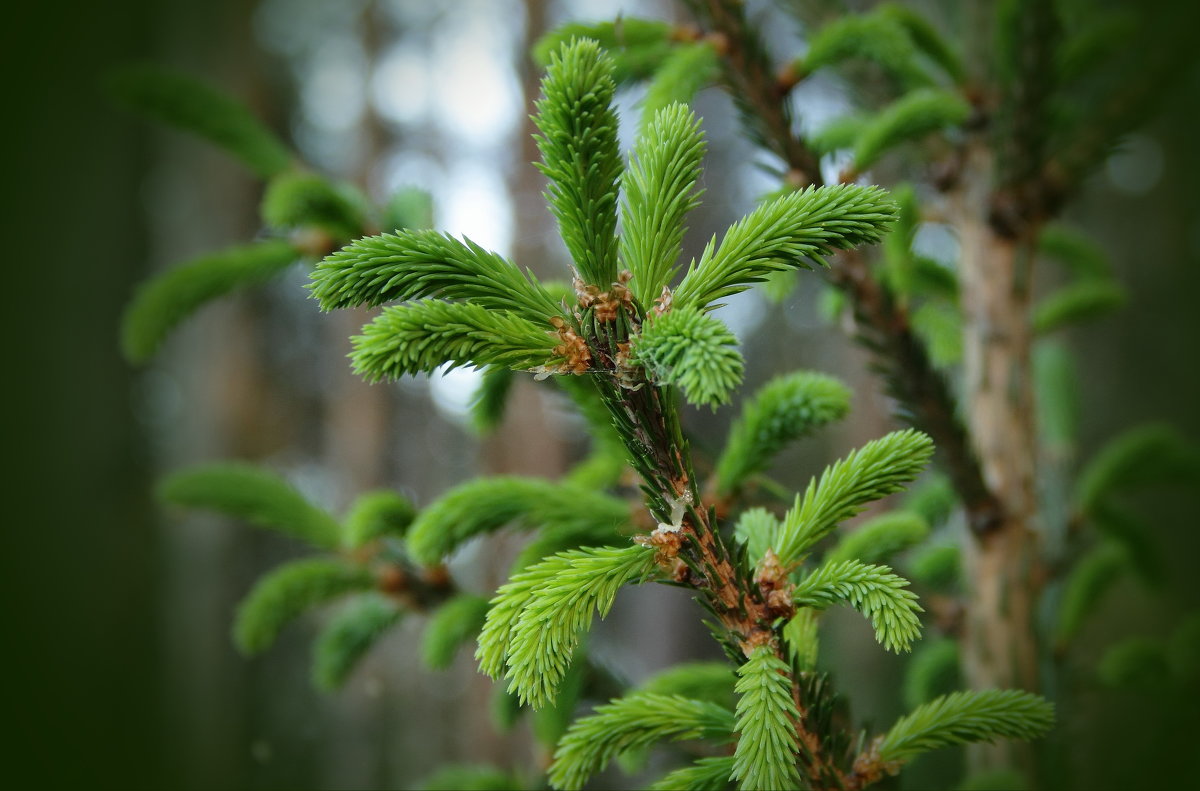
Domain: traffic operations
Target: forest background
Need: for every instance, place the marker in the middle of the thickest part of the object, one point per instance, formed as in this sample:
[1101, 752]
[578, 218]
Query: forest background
[117, 660]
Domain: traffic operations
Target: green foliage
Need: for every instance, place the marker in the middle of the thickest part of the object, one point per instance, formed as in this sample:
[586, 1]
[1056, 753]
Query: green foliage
[874, 591]
[167, 299]
[766, 753]
[412, 264]
[484, 505]
[909, 118]
[995, 780]
[348, 637]
[289, 590]
[1183, 649]
[297, 199]
[1148, 454]
[1082, 301]
[1056, 389]
[708, 681]
[659, 192]
[421, 336]
[471, 778]
[489, 401]
[580, 155]
[758, 529]
[536, 618]
[925, 38]
[939, 566]
[932, 671]
[244, 491]
[637, 46]
[692, 350]
[375, 515]
[1077, 252]
[878, 539]
[966, 717]
[685, 71]
[837, 134]
[802, 640]
[1090, 578]
[783, 410]
[455, 623]
[706, 774]
[785, 233]
[1134, 538]
[899, 263]
[875, 470]
[939, 326]
[637, 720]
[409, 207]
[933, 498]
[1137, 663]
[551, 722]
[1106, 35]
[193, 106]
[878, 38]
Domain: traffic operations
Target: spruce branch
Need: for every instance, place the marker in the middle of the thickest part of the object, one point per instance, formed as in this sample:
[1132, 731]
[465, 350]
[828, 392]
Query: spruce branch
[580, 155]
[536, 618]
[684, 72]
[659, 192]
[885, 329]
[1091, 577]
[758, 530]
[298, 199]
[785, 409]
[165, 300]
[1153, 453]
[636, 46]
[288, 591]
[758, 94]
[767, 717]
[880, 38]
[705, 774]
[1083, 301]
[925, 38]
[875, 591]
[966, 717]
[244, 491]
[421, 336]
[883, 326]
[637, 720]
[878, 539]
[909, 118]
[347, 638]
[484, 505]
[490, 399]
[194, 106]
[455, 623]
[692, 350]
[376, 515]
[787, 232]
[708, 681]
[875, 470]
[932, 671]
[413, 264]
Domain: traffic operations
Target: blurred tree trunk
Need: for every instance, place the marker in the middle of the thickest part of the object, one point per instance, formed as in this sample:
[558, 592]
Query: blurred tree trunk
[1001, 558]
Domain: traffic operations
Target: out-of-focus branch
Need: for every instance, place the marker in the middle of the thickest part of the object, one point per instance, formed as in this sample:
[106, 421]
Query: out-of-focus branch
[883, 325]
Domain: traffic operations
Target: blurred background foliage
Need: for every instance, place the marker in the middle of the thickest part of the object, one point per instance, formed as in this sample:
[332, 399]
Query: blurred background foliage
[121, 667]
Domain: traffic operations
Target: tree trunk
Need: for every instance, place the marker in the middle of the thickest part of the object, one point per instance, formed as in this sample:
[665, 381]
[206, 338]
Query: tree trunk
[1001, 562]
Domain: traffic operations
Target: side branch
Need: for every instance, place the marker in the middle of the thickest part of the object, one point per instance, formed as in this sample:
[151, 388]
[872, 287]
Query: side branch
[883, 325]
